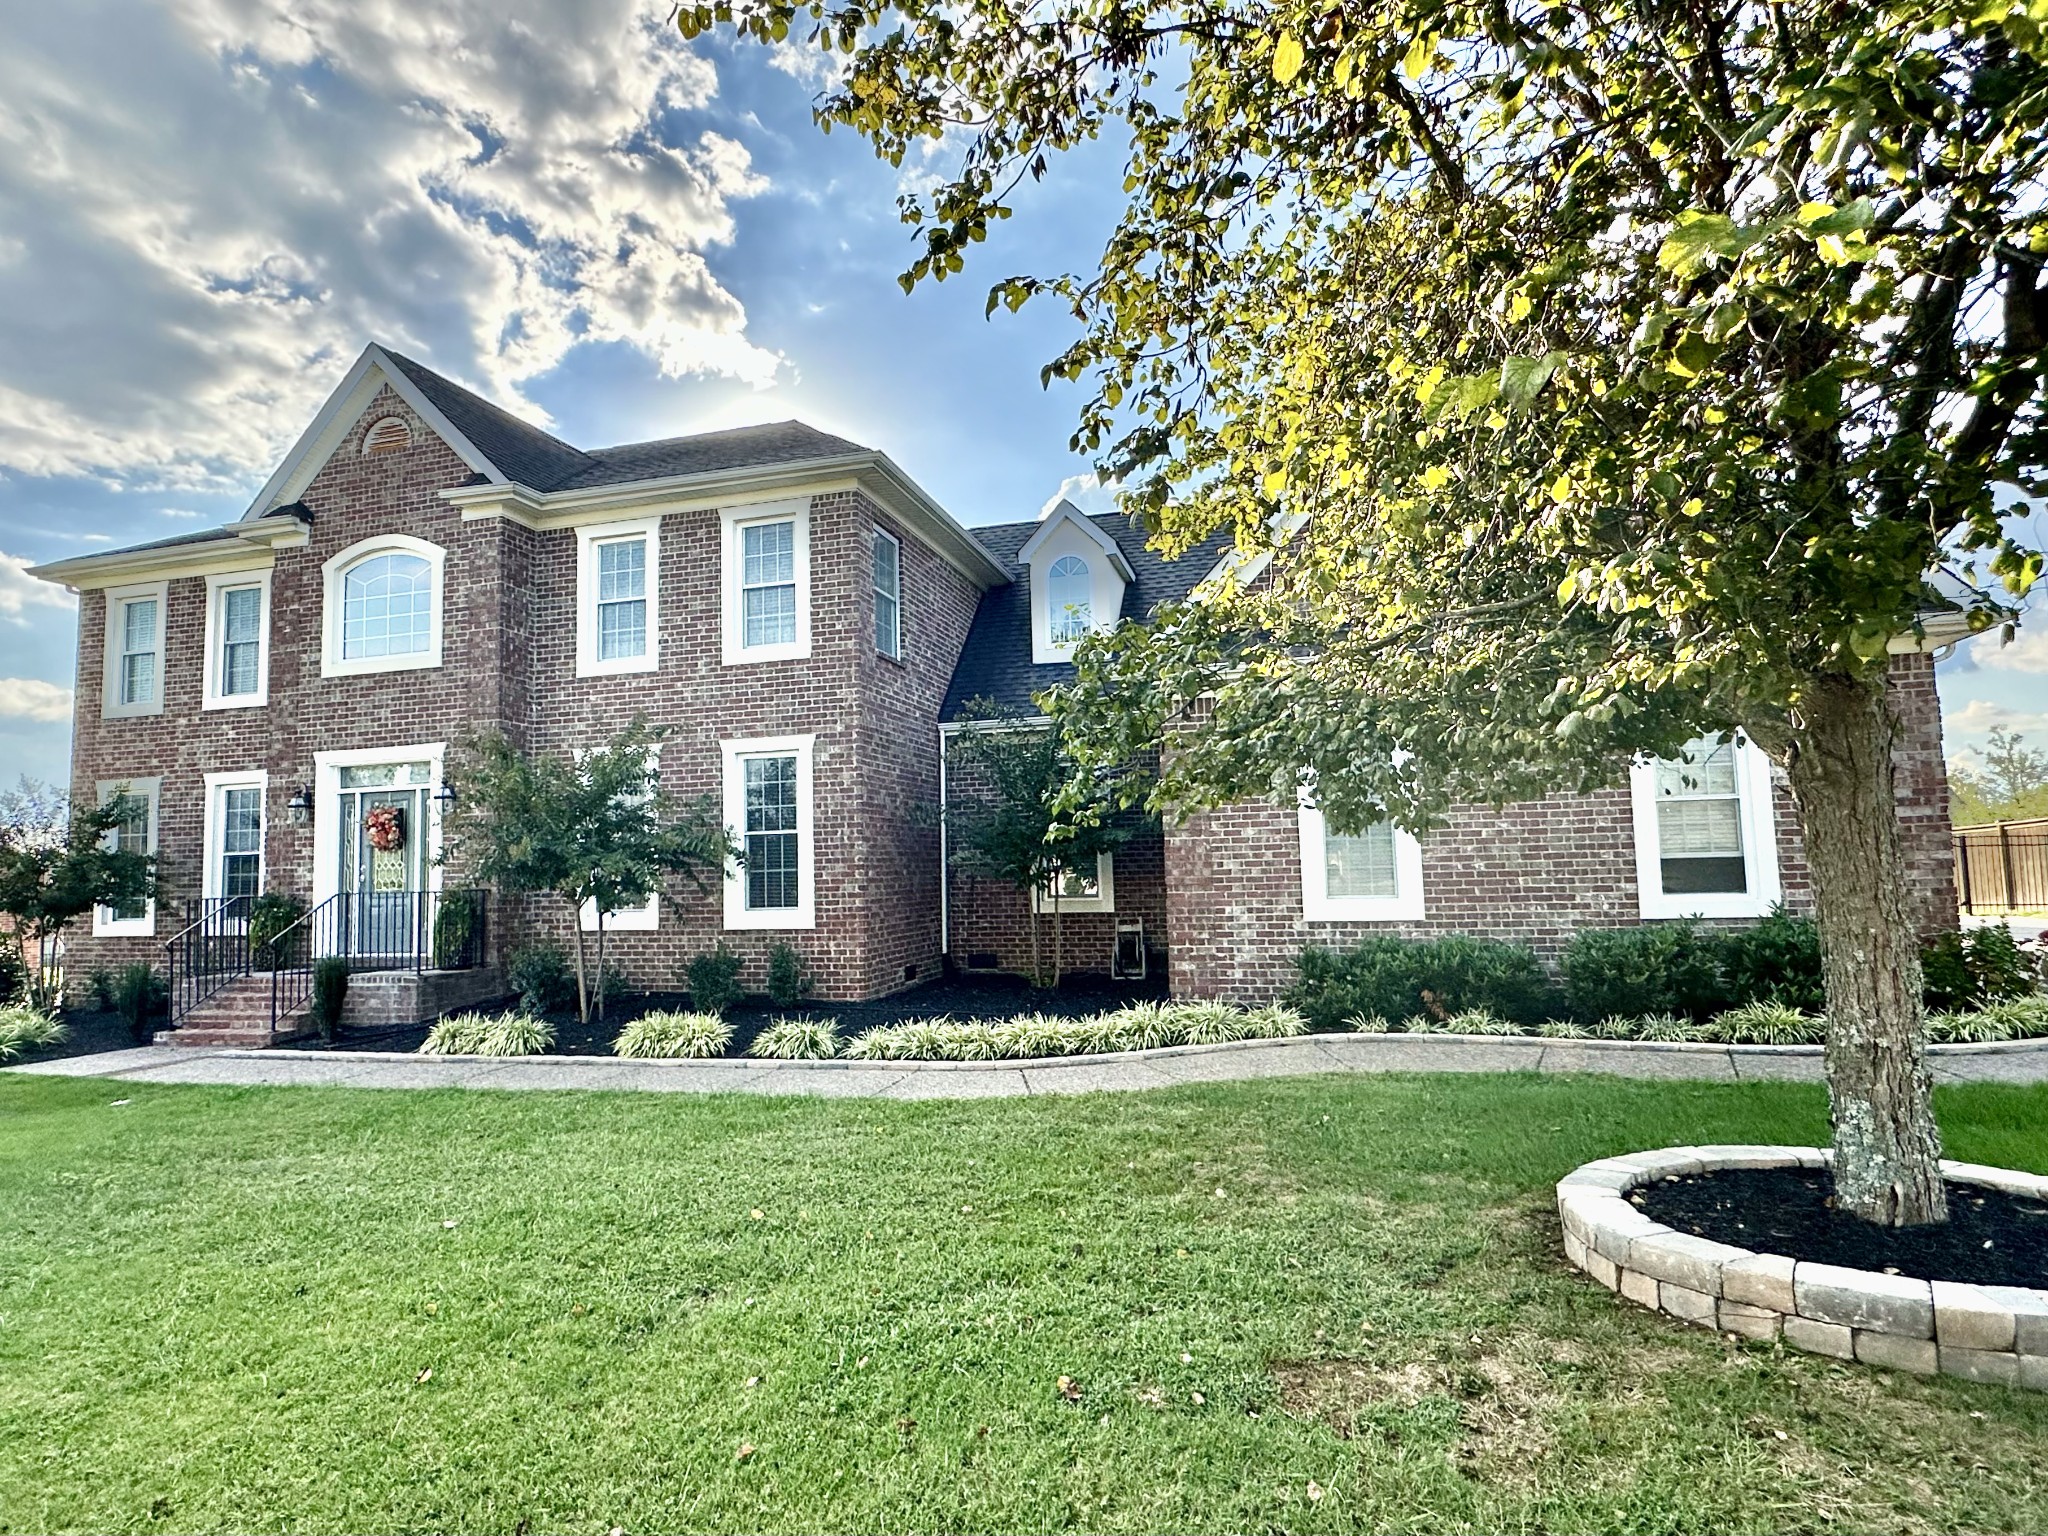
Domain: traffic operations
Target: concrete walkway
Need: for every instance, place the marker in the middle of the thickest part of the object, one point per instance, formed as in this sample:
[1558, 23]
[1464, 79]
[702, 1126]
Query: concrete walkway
[2019, 1061]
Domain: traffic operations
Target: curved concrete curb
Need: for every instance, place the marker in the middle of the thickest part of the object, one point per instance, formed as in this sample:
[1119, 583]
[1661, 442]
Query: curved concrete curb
[1994, 1333]
[2016, 1061]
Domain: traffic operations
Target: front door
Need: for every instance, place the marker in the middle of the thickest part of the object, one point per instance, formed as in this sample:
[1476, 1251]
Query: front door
[383, 861]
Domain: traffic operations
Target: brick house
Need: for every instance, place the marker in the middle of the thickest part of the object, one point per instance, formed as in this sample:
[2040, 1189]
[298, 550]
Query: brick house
[283, 699]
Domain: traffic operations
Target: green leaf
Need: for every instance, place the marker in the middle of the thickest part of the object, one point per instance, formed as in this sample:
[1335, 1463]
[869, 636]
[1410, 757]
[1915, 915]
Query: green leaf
[1686, 248]
[1820, 219]
[1523, 378]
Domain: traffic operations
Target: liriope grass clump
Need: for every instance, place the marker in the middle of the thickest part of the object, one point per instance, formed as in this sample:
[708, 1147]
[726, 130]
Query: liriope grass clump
[1478, 1021]
[24, 1029]
[1766, 1023]
[673, 1033]
[489, 1034]
[797, 1040]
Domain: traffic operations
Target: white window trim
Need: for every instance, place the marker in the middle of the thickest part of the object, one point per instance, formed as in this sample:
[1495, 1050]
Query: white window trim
[588, 538]
[645, 918]
[1061, 536]
[104, 924]
[895, 651]
[216, 829]
[732, 521]
[217, 587]
[111, 707]
[1759, 845]
[1319, 906]
[331, 662]
[737, 913]
[1104, 901]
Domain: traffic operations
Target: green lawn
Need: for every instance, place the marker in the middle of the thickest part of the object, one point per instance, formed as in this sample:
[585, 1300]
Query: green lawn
[1332, 1304]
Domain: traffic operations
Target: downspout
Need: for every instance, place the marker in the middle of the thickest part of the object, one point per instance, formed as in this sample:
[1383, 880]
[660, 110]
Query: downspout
[945, 884]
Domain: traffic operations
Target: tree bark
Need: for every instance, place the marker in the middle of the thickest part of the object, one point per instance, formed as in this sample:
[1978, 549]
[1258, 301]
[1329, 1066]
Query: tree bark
[1880, 1093]
[582, 986]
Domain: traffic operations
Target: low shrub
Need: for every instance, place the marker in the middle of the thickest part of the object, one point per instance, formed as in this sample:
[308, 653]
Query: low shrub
[330, 994]
[1774, 960]
[1766, 1023]
[1395, 978]
[674, 1033]
[540, 973]
[24, 1029]
[714, 980]
[797, 1040]
[1970, 968]
[789, 975]
[269, 916]
[13, 973]
[1650, 968]
[455, 925]
[139, 996]
[489, 1034]
[99, 986]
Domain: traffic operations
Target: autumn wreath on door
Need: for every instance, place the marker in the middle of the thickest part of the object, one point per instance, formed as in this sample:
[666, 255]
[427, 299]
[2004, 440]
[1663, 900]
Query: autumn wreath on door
[386, 827]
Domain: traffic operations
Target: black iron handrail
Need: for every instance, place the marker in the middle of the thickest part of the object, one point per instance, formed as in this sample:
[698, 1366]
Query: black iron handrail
[207, 953]
[376, 931]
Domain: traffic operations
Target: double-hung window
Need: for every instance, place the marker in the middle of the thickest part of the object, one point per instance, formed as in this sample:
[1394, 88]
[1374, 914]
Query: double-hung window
[768, 808]
[1086, 885]
[135, 650]
[888, 595]
[618, 583]
[1705, 843]
[767, 583]
[135, 833]
[1373, 875]
[234, 839]
[237, 640]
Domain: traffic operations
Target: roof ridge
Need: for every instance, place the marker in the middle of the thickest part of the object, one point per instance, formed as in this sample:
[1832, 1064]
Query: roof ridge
[691, 437]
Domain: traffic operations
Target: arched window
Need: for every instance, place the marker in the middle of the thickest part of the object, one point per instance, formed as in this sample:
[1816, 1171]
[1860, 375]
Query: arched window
[387, 607]
[1069, 599]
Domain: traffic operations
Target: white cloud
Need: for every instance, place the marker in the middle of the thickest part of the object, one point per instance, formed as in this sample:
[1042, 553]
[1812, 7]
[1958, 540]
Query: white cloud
[218, 201]
[1981, 715]
[2027, 653]
[30, 698]
[1084, 491]
[20, 591]
[180, 512]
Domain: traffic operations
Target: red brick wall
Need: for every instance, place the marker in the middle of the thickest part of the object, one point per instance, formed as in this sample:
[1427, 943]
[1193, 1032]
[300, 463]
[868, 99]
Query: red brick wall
[989, 918]
[1534, 873]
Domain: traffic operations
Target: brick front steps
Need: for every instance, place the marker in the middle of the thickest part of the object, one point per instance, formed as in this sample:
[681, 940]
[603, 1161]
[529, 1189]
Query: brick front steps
[1994, 1333]
[238, 1015]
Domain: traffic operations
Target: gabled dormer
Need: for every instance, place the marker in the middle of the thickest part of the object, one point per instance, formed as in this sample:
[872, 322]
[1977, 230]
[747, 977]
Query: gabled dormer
[1076, 575]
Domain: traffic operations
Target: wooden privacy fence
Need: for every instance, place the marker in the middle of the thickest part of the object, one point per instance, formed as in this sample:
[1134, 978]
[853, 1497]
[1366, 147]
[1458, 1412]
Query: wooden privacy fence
[2003, 867]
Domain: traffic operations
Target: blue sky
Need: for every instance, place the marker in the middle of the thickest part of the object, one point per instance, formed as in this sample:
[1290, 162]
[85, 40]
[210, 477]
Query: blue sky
[208, 206]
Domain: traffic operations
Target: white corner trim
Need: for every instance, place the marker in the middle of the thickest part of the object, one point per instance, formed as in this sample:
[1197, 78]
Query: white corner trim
[588, 537]
[331, 662]
[111, 707]
[1105, 879]
[1319, 906]
[216, 585]
[214, 831]
[732, 631]
[1759, 845]
[805, 913]
[104, 924]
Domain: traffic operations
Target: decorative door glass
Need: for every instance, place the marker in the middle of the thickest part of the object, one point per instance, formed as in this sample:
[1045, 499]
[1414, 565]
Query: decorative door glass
[383, 823]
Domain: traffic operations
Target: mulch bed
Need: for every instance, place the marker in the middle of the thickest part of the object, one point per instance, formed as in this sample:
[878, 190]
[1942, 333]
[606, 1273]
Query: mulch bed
[979, 997]
[1990, 1238]
[87, 1032]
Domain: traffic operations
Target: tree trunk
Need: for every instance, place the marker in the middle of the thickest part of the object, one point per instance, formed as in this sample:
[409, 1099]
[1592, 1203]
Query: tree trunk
[1031, 921]
[600, 967]
[1059, 931]
[1880, 1093]
[582, 986]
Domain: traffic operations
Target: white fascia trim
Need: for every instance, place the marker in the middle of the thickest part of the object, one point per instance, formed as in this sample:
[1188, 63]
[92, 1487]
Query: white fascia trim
[351, 397]
[331, 662]
[327, 768]
[104, 924]
[1105, 878]
[215, 830]
[111, 708]
[732, 569]
[215, 586]
[805, 913]
[1759, 845]
[1319, 906]
[588, 537]
[1068, 514]
[238, 551]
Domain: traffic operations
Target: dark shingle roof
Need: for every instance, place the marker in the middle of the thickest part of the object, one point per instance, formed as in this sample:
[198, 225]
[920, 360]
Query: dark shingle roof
[996, 662]
[543, 462]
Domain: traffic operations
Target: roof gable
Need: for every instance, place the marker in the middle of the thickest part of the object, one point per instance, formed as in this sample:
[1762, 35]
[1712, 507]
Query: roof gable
[1067, 515]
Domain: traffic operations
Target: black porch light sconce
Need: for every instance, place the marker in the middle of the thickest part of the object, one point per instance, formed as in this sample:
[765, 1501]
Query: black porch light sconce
[444, 798]
[300, 806]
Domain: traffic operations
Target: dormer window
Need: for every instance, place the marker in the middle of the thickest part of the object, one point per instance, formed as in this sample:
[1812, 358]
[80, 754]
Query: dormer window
[1069, 599]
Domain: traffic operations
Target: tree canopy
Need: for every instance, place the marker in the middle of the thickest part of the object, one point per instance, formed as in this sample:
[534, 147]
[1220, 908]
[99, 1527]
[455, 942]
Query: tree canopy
[58, 862]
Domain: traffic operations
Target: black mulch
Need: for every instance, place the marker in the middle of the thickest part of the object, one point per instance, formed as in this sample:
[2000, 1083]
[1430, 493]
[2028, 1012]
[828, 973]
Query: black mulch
[87, 1032]
[979, 997]
[1990, 1238]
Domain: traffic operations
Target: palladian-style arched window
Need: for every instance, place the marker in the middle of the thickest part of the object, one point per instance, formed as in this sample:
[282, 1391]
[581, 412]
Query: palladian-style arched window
[383, 603]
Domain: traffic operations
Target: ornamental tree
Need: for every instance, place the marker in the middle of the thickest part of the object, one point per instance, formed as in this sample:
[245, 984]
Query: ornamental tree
[58, 861]
[1595, 374]
[595, 829]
